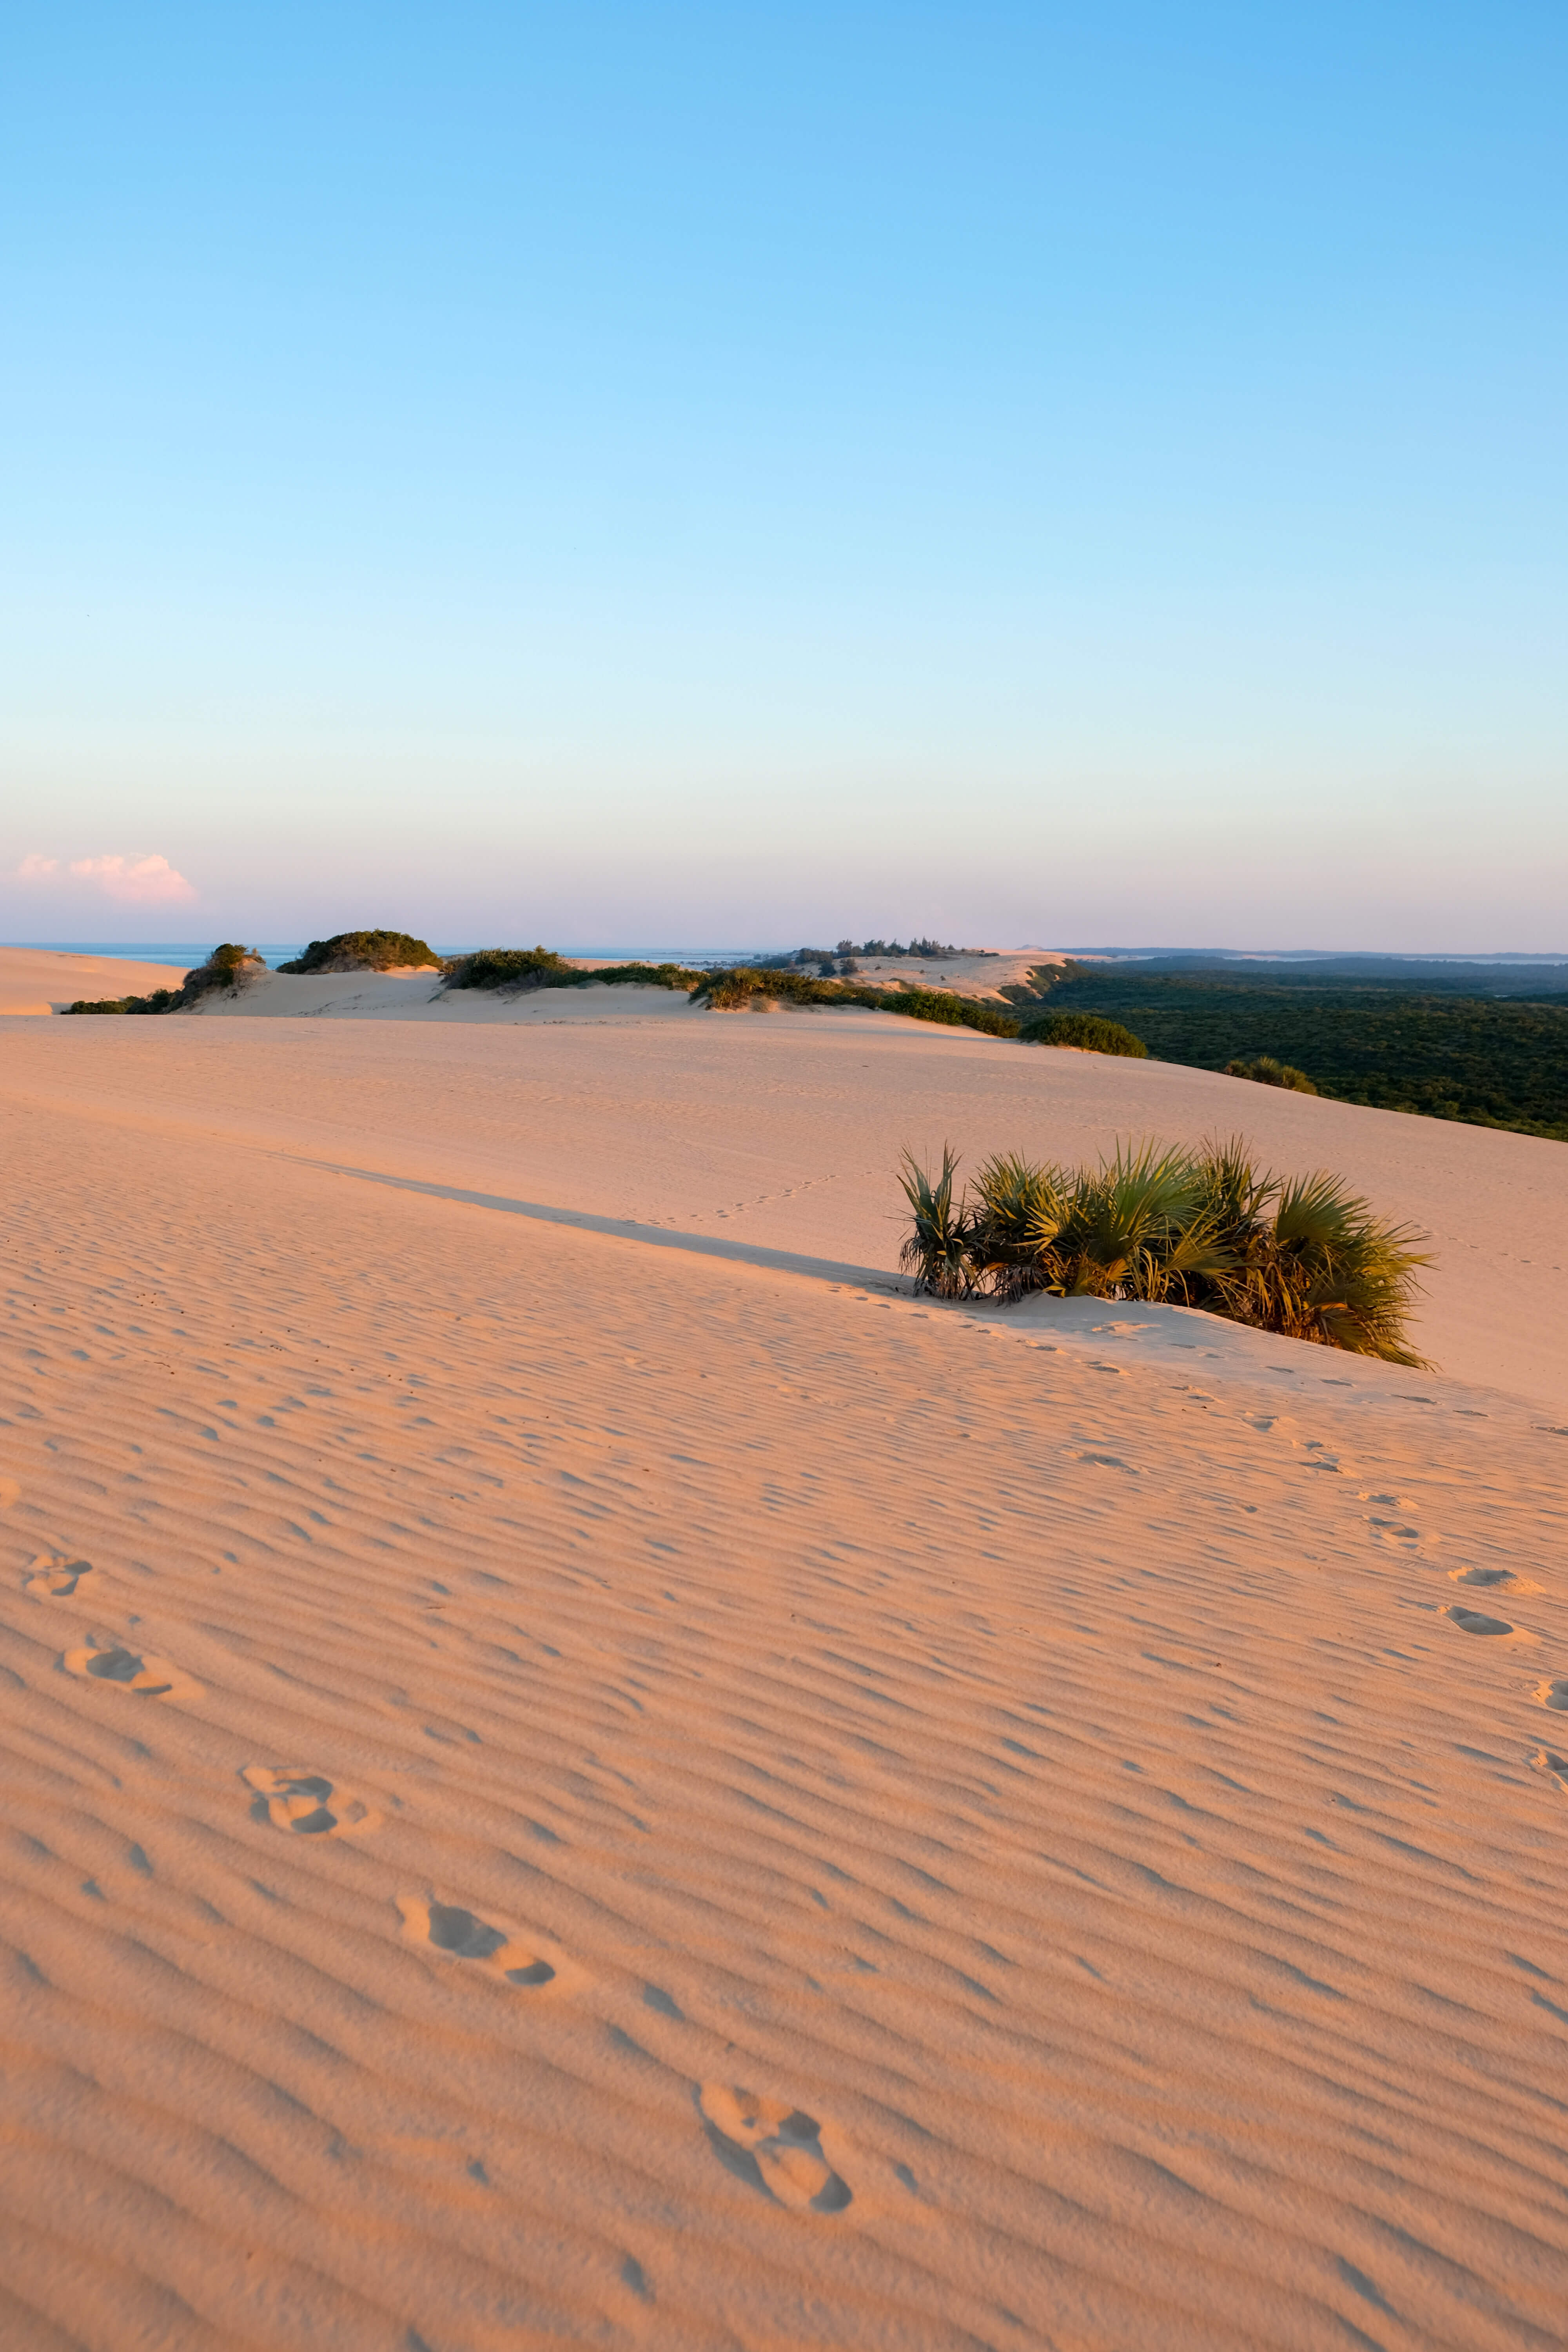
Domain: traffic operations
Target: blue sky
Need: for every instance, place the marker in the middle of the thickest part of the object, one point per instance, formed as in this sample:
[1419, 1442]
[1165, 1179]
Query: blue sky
[673, 473]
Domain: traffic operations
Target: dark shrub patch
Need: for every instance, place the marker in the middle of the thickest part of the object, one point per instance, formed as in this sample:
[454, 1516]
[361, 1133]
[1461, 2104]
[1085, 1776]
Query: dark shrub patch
[363, 951]
[1087, 1031]
[1267, 1072]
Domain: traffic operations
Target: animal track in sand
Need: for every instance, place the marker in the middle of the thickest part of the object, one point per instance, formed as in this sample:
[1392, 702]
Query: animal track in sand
[54, 1577]
[1475, 1621]
[776, 2149]
[1554, 1693]
[1555, 1767]
[502, 1952]
[291, 1797]
[150, 1677]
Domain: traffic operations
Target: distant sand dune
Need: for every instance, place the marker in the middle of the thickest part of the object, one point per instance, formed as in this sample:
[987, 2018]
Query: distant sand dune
[880, 1826]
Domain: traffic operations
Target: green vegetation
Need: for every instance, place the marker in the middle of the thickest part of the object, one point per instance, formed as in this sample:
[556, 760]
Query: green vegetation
[728, 992]
[363, 951]
[527, 968]
[1267, 1072]
[510, 968]
[1091, 1033]
[640, 976]
[225, 968]
[1446, 1049]
[1299, 1256]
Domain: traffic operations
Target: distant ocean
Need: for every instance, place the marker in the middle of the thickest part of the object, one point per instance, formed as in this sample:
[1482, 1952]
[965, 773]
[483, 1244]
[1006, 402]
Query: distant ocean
[182, 954]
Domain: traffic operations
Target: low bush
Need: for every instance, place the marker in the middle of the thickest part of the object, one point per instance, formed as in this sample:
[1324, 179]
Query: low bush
[225, 968]
[363, 951]
[161, 1000]
[526, 967]
[1267, 1072]
[1086, 1031]
[512, 967]
[941, 1004]
[1300, 1256]
[638, 975]
[730, 991]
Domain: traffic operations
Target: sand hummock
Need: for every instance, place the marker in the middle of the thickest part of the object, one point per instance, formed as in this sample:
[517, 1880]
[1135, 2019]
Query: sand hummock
[43, 980]
[582, 1768]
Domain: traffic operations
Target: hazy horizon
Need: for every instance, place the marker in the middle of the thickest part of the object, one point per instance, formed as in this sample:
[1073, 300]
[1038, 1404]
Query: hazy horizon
[152, 949]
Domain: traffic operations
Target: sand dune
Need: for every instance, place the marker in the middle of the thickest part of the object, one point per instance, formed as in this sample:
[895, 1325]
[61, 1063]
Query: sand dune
[781, 1131]
[40, 980]
[571, 1785]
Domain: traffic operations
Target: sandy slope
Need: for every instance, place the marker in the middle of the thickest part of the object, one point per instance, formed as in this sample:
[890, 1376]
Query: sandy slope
[781, 1130]
[636, 1796]
[38, 979]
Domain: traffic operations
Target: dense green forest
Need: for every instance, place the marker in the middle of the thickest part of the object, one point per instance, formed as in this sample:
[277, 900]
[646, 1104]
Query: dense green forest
[1442, 1048]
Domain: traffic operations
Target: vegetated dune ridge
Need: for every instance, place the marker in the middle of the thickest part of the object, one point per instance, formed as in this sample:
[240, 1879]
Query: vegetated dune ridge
[562, 1789]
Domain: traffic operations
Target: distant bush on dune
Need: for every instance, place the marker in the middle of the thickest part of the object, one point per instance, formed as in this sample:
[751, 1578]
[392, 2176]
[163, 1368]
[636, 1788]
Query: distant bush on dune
[743, 985]
[517, 969]
[364, 951]
[1300, 1255]
[1267, 1072]
[1087, 1031]
[508, 968]
[225, 968]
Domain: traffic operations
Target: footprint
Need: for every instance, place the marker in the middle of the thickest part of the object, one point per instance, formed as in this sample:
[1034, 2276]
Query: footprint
[1472, 1621]
[294, 1798]
[1492, 1577]
[501, 1951]
[150, 1677]
[1555, 1766]
[776, 2149]
[54, 1577]
[1554, 1693]
[10, 1491]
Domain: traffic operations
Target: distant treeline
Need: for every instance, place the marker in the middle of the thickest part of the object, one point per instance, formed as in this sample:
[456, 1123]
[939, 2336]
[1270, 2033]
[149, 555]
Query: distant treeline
[842, 958]
[1444, 1049]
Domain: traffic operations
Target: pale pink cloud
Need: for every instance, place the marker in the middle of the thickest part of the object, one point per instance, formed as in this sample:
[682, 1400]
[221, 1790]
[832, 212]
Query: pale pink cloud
[140, 878]
[35, 868]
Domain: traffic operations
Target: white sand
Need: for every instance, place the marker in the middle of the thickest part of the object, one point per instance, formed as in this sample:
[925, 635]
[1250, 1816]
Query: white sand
[565, 1788]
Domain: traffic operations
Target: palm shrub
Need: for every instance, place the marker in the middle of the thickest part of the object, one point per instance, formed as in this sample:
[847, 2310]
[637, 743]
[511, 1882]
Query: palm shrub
[1137, 1228]
[1309, 1259]
[1018, 1212]
[938, 1252]
[1304, 1256]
